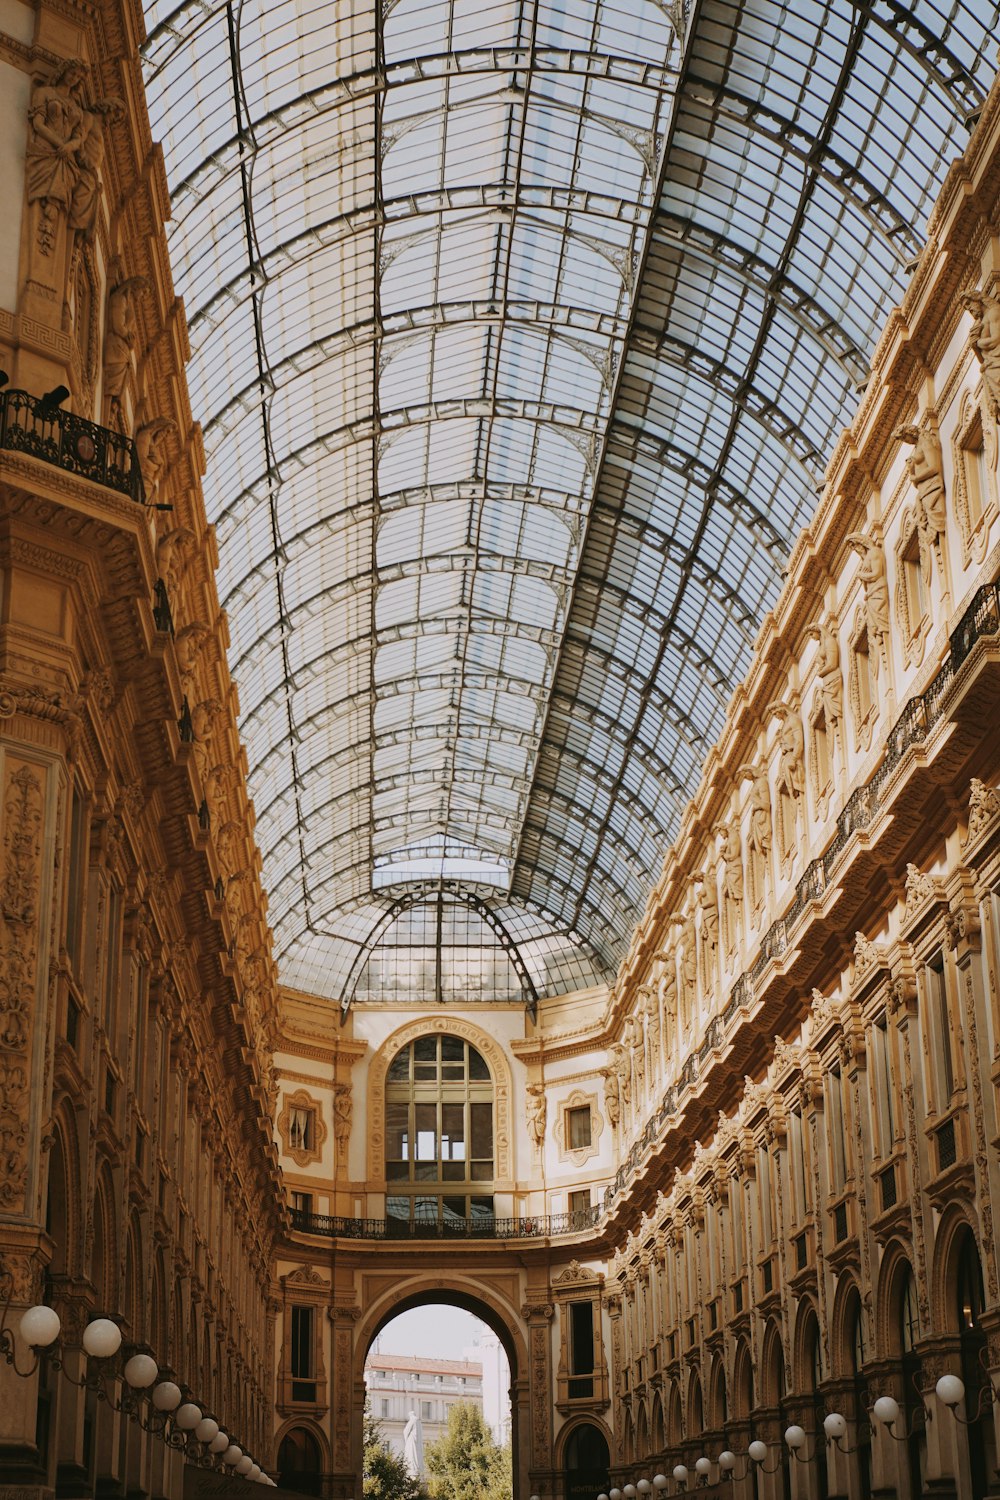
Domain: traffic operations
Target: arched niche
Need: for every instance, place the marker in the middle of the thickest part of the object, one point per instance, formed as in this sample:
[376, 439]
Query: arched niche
[301, 1457]
[496, 1061]
[586, 1461]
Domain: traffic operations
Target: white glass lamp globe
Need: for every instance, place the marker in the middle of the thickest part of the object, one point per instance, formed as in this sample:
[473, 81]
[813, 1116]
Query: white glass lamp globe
[207, 1429]
[219, 1443]
[659, 1481]
[834, 1425]
[757, 1451]
[886, 1409]
[602, 1497]
[233, 1454]
[188, 1416]
[950, 1390]
[612, 1495]
[629, 1491]
[727, 1461]
[166, 1396]
[795, 1437]
[141, 1371]
[703, 1466]
[39, 1326]
[245, 1465]
[681, 1473]
[644, 1487]
[102, 1338]
[254, 1473]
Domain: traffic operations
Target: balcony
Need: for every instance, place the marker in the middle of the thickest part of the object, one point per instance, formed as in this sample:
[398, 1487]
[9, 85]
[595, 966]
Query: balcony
[525, 1227]
[29, 425]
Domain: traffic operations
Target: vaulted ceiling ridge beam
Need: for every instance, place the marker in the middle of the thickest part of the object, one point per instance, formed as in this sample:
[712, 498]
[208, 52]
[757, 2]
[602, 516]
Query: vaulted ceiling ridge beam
[461, 200]
[311, 105]
[548, 319]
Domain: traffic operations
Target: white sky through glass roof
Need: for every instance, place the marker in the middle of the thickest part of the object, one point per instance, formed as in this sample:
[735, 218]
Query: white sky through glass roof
[520, 333]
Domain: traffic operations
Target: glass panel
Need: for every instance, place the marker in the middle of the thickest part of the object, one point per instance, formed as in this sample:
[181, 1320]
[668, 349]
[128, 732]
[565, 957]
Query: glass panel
[453, 1132]
[425, 1132]
[477, 1065]
[396, 1131]
[399, 1068]
[481, 1120]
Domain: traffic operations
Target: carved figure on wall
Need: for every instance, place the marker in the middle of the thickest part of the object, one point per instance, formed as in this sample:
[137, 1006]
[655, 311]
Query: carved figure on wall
[188, 643]
[121, 335]
[709, 931]
[537, 1113]
[689, 967]
[831, 680]
[172, 552]
[638, 1049]
[791, 777]
[152, 458]
[925, 466]
[876, 586]
[343, 1110]
[56, 132]
[612, 1107]
[986, 343]
[622, 1064]
[759, 839]
[651, 1011]
[732, 883]
[90, 159]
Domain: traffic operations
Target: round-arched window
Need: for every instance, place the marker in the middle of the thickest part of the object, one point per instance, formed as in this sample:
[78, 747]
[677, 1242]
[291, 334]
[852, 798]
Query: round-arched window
[438, 1137]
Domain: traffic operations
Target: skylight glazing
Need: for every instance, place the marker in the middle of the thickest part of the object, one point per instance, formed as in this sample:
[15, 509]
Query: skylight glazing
[521, 330]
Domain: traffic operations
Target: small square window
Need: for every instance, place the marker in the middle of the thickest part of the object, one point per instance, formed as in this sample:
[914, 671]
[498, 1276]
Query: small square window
[301, 1128]
[426, 1411]
[578, 1127]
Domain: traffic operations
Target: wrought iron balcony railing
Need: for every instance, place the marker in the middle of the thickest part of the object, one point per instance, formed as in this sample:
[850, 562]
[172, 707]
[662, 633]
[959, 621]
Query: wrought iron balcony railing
[524, 1227]
[29, 425]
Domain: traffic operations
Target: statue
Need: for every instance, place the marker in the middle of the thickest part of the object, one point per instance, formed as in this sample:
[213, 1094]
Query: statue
[689, 968]
[651, 1011]
[791, 777]
[343, 1109]
[120, 337]
[876, 587]
[537, 1112]
[986, 343]
[57, 130]
[831, 682]
[925, 466]
[152, 459]
[612, 1107]
[90, 158]
[620, 1061]
[709, 931]
[413, 1445]
[172, 552]
[638, 1047]
[732, 883]
[188, 644]
[759, 842]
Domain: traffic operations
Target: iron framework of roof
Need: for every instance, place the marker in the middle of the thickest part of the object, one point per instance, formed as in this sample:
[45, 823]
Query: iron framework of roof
[520, 332]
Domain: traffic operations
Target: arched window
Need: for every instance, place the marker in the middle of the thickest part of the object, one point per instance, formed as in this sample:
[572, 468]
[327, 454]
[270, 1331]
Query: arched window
[299, 1462]
[438, 1136]
[587, 1462]
[969, 1300]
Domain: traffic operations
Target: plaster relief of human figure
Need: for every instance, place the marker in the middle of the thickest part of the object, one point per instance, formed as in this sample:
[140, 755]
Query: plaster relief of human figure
[985, 312]
[121, 335]
[152, 458]
[651, 1011]
[925, 466]
[188, 644]
[732, 883]
[343, 1111]
[791, 777]
[638, 1049]
[831, 677]
[89, 159]
[612, 1106]
[876, 587]
[537, 1113]
[622, 1064]
[759, 838]
[56, 132]
[709, 931]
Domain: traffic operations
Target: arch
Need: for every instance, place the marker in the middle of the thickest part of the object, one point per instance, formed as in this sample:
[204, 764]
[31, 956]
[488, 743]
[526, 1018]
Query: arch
[743, 1392]
[806, 1352]
[895, 1282]
[159, 1313]
[499, 1071]
[695, 1425]
[848, 1351]
[104, 1253]
[957, 1223]
[657, 1427]
[718, 1405]
[480, 1300]
[135, 1301]
[60, 1207]
[628, 1438]
[584, 1455]
[301, 1456]
[675, 1419]
[772, 1366]
[641, 1432]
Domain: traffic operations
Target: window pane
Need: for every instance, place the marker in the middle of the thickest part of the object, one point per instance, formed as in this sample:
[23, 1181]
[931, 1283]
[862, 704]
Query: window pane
[452, 1049]
[425, 1049]
[399, 1069]
[396, 1131]
[482, 1131]
[579, 1127]
[425, 1126]
[477, 1065]
[453, 1132]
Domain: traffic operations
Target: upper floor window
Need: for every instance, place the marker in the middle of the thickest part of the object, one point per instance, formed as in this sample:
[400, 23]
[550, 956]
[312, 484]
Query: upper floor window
[439, 1133]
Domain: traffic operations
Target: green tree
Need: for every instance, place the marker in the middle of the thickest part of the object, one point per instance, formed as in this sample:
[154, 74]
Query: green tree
[465, 1463]
[386, 1476]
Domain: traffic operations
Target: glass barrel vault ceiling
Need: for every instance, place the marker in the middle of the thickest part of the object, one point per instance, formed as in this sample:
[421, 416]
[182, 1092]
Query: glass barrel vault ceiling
[521, 330]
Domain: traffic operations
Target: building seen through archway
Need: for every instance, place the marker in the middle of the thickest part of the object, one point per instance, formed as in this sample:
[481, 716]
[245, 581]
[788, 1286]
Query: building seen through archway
[499, 792]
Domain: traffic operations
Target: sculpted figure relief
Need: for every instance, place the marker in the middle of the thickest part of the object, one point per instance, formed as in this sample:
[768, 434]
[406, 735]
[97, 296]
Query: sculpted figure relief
[986, 343]
[638, 1047]
[612, 1107]
[709, 931]
[121, 335]
[925, 466]
[732, 884]
[56, 133]
[669, 982]
[792, 760]
[759, 840]
[651, 1011]
[537, 1112]
[152, 459]
[343, 1109]
[619, 1059]
[831, 681]
[876, 587]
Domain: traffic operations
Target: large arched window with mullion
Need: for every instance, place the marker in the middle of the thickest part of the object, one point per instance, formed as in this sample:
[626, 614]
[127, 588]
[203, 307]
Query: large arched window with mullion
[439, 1135]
